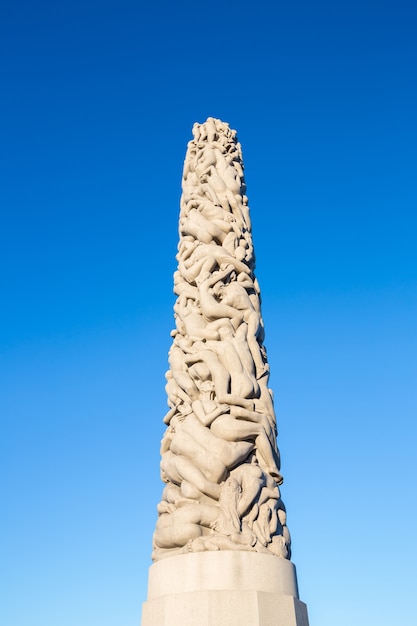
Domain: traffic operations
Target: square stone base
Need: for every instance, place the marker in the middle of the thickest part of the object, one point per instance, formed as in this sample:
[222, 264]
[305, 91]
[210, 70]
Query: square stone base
[223, 589]
[225, 608]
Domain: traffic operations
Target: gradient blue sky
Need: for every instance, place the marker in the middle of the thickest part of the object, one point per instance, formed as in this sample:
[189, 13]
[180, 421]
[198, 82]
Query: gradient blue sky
[98, 101]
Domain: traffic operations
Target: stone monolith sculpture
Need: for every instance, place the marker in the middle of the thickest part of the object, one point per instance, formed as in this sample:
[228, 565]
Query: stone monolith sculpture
[221, 544]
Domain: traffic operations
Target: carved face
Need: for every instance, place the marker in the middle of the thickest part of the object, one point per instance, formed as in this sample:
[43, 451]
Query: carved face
[200, 373]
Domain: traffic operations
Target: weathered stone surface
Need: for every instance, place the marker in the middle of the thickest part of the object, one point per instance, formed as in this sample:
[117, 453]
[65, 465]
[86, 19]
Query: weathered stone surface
[220, 460]
[223, 570]
[226, 587]
[221, 542]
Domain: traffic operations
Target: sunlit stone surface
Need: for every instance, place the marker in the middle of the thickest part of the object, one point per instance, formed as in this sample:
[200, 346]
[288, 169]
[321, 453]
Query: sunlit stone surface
[221, 541]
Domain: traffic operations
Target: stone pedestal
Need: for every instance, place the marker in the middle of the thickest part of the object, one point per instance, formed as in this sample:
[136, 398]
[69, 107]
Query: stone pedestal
[225, 588]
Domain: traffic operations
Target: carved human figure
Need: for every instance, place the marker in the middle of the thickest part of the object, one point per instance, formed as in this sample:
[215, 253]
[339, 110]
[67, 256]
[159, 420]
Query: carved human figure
[240, 425]
[211, 308]
[179, 370]
[186, 523]
[232, 384]
[202, 229]
[201, 259]
[235, 296]
[219, 458]
[191, 521]
[191, 452]
[195, 327]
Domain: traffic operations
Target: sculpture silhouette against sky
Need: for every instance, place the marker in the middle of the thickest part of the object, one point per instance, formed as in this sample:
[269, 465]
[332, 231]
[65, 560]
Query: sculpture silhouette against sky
[220, 460]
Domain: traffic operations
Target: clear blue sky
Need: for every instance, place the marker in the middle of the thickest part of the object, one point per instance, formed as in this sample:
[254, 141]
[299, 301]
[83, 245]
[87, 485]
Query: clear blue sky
[98, 100]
